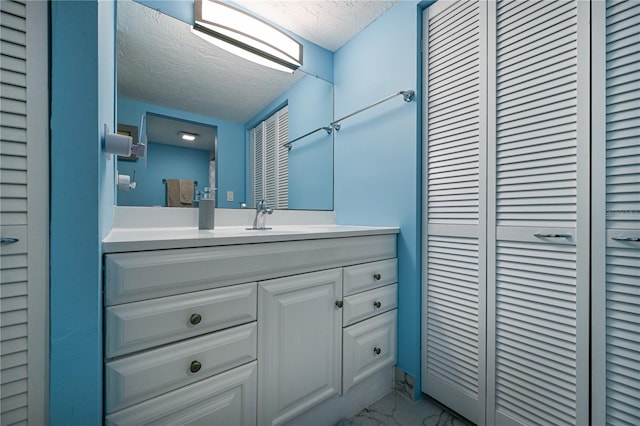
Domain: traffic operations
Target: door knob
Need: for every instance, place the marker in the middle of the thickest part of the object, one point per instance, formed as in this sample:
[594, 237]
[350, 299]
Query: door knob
[339, 303]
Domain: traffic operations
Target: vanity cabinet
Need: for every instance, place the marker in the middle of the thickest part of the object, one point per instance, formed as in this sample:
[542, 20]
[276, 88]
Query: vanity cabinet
[245, 334]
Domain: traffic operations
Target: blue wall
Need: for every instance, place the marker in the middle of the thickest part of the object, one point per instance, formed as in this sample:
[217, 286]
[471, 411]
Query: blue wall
[377, 153]
[231, 161]
[377, 160]
[310, 159]
[82, 101]
[165, 161]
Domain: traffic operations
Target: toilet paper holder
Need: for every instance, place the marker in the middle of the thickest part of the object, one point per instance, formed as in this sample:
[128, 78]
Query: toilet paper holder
[122, 144]
[126, 182]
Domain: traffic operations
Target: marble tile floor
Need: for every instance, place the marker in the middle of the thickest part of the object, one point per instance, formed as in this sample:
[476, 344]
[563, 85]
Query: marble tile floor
[397, 410]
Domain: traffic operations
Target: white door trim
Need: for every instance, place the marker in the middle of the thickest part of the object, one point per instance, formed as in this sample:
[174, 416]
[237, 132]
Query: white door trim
[38, 211]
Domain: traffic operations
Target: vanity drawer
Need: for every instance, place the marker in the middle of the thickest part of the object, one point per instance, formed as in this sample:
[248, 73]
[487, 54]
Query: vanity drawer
[364, 305]
[370, 275]
[140, 325]
[226, 399]
[368, 347]
[136, 378]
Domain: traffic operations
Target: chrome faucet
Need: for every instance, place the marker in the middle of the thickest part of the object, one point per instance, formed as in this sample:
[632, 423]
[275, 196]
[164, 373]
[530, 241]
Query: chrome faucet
[261, 212]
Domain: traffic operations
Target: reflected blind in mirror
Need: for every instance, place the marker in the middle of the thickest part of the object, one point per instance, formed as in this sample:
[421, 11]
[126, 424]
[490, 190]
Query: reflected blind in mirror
[270, 160]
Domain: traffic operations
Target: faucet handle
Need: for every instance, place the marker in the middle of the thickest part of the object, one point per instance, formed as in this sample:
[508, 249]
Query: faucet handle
[268, 211]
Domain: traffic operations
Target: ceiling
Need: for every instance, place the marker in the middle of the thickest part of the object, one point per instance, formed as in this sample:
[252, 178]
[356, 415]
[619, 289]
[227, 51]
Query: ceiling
[327, 23]
[161, 62]
[167, 131]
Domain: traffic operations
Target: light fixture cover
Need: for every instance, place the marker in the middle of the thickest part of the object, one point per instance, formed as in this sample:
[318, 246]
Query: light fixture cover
[188, 136]
[245, 35]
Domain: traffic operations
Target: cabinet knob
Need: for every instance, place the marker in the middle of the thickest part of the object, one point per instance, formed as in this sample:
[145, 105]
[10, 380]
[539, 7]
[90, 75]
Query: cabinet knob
[339, 303]
[377, 304]
[195, 319]
[195, 366]
[377, 276]
[377, 351]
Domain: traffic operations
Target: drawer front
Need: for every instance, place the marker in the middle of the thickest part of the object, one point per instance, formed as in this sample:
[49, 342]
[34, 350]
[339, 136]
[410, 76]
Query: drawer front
[368, 347]
[226, 399]
[140, 377]
[142, 325]
[364, 305]
[131, 277]
[370, 275]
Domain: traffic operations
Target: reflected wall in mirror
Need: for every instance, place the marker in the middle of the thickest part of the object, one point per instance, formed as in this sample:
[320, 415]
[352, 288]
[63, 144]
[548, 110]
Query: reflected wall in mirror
[173, 157]
[166, 72]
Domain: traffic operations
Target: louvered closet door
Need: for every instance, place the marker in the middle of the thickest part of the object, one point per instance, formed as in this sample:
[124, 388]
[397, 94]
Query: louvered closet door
[23, 212]
[454, 147]
[257, 143]
[282, 194]
[270, 160]
[538, 243]
[616, 252]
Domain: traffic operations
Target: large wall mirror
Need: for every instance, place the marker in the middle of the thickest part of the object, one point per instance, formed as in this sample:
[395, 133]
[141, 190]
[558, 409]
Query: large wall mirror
[184, 85]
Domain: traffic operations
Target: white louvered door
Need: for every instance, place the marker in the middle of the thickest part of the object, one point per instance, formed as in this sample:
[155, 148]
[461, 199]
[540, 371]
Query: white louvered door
[270, 160]
[538, 238]
[454, 159]
[616, 213]
[257, 160]
[282, 160]
[23, 212]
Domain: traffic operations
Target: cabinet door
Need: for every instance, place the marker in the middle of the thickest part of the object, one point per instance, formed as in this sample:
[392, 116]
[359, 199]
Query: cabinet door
[616, 213]
[538, 210]
[226, 399]
[299, 344]
[453, 308]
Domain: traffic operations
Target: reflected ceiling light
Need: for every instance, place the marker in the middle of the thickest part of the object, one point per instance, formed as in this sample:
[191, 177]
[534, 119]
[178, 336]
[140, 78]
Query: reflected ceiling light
[246, 36]
[188, 136]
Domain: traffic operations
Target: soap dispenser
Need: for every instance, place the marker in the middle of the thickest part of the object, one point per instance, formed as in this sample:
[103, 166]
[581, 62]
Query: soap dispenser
[206, 209]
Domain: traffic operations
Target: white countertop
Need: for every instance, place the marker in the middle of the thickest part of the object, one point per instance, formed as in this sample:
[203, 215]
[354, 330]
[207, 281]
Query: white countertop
[137, 239]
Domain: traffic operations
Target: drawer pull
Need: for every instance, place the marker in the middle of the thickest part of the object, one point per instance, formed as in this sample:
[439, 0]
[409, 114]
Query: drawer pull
[195, 319]
[377, 276]
[195, 366]
[377, 351]
[339, 303]
[377, 304]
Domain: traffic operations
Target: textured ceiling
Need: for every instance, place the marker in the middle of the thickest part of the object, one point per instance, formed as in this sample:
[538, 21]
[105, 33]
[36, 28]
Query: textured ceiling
[161, 62]
[327, 23]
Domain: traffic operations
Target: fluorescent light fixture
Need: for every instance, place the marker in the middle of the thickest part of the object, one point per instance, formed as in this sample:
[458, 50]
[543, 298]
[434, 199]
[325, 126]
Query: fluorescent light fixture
[188, 136]
[246, 36]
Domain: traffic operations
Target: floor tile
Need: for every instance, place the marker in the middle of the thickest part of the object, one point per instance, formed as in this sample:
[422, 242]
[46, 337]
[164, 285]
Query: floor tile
[396, 410]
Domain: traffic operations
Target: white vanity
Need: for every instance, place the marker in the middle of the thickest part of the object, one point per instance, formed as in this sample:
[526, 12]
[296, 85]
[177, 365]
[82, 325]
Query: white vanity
[237, 327]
